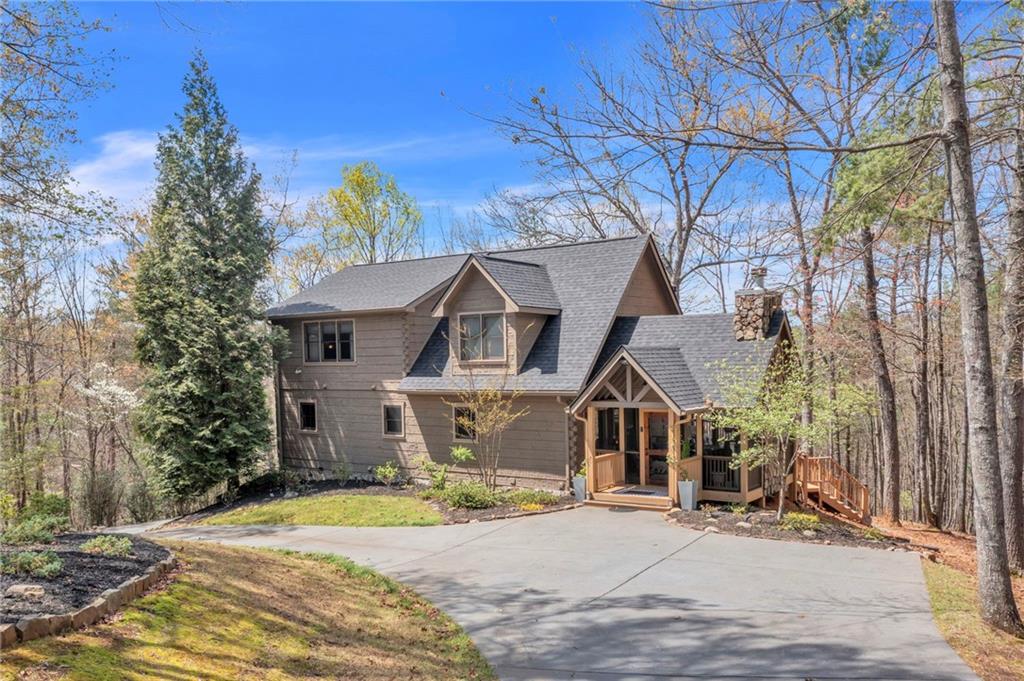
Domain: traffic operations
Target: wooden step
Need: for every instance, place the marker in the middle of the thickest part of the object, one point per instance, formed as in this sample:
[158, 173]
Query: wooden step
[655, 503]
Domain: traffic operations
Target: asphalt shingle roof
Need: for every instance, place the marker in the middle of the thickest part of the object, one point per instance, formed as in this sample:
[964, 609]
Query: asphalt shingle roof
[588, 280]
[527, 283]
[382, 286]
[703, 342]
[668, 369]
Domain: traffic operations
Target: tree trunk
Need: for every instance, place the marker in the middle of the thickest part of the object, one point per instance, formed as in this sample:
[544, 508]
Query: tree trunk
[995, 591]
[886, 393]
[922, 410]
[1011, 445]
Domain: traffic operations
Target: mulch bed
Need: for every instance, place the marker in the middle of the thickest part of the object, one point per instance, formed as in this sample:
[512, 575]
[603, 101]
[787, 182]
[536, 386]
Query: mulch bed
[84, 577]
[762, 524]
[452, 516]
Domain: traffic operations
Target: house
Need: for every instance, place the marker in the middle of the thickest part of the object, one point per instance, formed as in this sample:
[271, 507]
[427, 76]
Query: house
[590, 334]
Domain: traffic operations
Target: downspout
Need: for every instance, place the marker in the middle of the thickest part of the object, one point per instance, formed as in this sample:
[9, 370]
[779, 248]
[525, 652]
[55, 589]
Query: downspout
[279, 412]
[584, 422]
[568, 454]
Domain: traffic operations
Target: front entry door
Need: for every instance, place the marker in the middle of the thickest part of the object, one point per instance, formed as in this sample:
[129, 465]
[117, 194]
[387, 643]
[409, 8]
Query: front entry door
[654, 448]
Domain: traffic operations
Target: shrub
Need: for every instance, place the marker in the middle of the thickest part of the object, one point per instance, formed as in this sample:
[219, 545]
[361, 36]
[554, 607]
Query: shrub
[462, 455]
[531, 507]
[41, 503]
[467, 494]
[533, 497]
[37, 529]
[738, 509]
[386, 473]
[44, 564]
[800, 522]
[437, 472]
[108, 545]
[8, 509]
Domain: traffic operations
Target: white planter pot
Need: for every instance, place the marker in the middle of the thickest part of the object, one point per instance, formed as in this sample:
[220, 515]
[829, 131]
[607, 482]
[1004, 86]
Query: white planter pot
[579, 487]
[688, 495]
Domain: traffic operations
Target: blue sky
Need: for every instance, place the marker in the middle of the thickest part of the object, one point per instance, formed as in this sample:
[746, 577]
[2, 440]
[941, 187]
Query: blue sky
[343, 82]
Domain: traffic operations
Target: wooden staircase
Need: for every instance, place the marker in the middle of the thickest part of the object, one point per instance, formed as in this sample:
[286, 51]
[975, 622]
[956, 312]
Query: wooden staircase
[823, 482]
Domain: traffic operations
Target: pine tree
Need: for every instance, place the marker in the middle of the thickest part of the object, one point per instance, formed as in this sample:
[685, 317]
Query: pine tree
[204, 414]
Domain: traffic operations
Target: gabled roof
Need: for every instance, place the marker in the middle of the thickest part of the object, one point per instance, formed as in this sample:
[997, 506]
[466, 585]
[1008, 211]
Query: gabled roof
[525, 286]
[588, 279]
[667, 368]
[527, 283]
[684, 353]
[378, 287]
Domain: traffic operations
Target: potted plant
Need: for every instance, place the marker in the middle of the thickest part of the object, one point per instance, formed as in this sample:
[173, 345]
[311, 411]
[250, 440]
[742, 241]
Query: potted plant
[687, 492]
[579, 484]
[687, 486]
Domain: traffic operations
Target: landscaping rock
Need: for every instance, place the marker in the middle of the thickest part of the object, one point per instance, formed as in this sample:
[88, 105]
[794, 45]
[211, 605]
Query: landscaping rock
[58, 623]
[31, 592]
[101, 606]
[745, 525]
[810, 534]
[31, 628]
[711, 528]
[84, 617]
[113, 598]
[8, 635]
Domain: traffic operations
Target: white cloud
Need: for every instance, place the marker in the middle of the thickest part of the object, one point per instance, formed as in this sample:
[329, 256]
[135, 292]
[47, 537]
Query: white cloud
[123, 166]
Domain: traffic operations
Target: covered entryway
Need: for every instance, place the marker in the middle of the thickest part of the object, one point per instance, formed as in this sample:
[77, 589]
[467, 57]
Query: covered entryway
[639, 441]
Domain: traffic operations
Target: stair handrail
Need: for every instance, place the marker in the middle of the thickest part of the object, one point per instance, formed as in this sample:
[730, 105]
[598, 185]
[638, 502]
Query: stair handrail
[833, 480]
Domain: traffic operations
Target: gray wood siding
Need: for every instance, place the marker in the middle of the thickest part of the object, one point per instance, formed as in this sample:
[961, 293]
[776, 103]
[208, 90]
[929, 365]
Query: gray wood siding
[647, 292]
[349, 434]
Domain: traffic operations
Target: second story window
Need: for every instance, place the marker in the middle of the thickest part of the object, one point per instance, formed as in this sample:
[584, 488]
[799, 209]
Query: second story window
[332, 341]
[482, 337]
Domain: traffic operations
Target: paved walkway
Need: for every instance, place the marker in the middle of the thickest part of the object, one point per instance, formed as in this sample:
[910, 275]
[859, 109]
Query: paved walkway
[609, 594]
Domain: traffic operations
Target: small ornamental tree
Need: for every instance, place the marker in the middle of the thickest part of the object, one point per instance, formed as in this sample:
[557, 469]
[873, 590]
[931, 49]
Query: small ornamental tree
[765, 406]
[486, 407]
[204, 414]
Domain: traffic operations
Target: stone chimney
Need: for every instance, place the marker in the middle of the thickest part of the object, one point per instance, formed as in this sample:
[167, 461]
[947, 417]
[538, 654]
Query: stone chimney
[754, 307]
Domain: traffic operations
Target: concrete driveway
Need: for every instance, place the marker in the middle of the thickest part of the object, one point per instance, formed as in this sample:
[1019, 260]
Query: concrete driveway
[611, 594]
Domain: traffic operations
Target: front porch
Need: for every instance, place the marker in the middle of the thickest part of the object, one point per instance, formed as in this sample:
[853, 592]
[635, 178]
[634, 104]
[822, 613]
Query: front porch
[639, 443]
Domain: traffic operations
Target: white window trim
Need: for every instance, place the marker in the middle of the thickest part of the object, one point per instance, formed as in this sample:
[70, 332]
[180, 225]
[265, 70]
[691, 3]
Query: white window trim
[455, 436]
[322, 362]
[384, 421]
[316, 417]
[504, 338]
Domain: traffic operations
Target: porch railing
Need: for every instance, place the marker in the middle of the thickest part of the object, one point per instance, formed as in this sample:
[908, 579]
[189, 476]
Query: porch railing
[609, 470]
[719, 476]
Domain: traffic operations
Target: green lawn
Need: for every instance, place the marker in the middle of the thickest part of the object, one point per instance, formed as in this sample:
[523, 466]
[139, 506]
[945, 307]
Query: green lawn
[351, 510]
[992, 654]
[238, 613]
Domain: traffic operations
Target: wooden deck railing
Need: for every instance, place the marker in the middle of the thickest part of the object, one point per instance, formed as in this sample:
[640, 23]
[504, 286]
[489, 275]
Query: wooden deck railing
[609, 470]
[833, 483]
[718, 475]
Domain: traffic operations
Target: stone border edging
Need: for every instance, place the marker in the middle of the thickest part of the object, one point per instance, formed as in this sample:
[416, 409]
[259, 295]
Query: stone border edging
[108, 602]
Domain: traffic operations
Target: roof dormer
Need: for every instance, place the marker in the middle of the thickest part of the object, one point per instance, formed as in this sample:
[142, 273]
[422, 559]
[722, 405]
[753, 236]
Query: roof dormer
[514, 285]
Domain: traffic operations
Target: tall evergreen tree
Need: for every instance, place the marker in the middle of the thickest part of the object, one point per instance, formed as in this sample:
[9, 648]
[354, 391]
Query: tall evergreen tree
[204, 413]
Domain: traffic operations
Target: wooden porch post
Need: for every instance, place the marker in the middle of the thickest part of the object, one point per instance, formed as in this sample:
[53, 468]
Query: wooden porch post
[590, 433]
[744, 481]
[699, 430]
[673, 456]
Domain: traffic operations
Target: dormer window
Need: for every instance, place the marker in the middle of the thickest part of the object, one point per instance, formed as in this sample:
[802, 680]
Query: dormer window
[482, 337]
